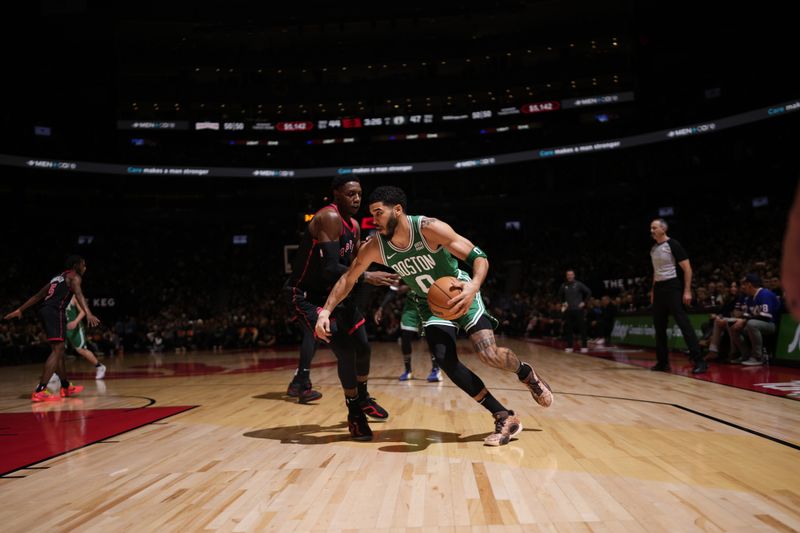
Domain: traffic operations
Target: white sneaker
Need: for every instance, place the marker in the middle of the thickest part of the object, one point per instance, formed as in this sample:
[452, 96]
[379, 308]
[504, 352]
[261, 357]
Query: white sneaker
[752, 362]
[600, 341]
[101, 372]
[584, 350]
[568, 350]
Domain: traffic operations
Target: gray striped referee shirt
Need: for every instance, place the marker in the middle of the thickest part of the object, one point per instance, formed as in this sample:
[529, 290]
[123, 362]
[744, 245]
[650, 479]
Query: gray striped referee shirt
[665, 257]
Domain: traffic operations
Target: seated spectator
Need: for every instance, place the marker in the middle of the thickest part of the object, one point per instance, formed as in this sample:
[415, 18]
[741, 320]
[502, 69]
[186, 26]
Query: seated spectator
[732, 308]
[704, 301]
[715, 296]
[774, 284]
[761, 311]
[628, 305]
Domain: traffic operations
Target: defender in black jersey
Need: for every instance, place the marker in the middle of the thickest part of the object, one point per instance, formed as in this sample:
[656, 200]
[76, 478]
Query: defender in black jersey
[54, 297]
[326, 251]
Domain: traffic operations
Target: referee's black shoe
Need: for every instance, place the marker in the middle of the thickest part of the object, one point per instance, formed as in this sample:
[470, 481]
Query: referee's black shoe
[660, 367]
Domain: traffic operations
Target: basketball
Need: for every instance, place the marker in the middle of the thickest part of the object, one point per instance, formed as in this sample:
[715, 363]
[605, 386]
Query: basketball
[439, 293]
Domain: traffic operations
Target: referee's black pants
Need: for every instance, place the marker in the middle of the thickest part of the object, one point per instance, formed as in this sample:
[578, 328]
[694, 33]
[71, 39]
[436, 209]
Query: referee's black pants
[668, 300]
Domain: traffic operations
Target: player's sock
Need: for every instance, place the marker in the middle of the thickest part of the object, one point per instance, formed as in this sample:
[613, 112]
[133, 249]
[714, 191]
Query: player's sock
[362, 390]
[523, 372]
[491, 403]
[352, 404]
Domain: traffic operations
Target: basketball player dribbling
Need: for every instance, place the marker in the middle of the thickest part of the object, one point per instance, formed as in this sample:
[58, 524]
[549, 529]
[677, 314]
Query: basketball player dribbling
[55, 296]
[421, 250]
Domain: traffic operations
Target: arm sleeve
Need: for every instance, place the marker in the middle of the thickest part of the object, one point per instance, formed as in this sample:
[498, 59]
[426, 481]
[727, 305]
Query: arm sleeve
[678, 251]
[332, 268]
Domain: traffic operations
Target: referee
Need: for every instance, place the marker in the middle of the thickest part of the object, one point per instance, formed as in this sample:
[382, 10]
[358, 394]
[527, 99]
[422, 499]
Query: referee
[667, 298]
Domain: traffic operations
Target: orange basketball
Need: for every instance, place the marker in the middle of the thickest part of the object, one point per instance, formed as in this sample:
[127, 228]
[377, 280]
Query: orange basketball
[438, 295]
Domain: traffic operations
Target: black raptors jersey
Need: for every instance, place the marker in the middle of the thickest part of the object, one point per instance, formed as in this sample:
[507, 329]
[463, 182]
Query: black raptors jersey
[59, 293]
[307, 271]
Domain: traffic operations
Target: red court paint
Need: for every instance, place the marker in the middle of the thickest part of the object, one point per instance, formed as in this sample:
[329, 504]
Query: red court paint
[44, 433]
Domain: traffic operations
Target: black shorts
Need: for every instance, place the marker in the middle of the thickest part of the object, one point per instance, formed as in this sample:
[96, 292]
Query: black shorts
[346, 317]
[54, 322]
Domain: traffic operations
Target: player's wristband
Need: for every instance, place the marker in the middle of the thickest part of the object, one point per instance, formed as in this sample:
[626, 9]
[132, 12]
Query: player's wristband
[475, 253]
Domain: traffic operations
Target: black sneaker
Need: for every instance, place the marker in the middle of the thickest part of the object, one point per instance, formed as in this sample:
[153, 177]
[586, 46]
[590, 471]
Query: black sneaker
[371, 408]
[660, 367]
[700, 367]
[293, 390]
[307, 394]
[357, 424]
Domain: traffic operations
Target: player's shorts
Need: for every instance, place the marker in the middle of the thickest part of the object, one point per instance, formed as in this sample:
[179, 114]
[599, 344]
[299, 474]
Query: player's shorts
[346, 317]
[54, 322]
[465, 322]
[76, 338]
[409, 320]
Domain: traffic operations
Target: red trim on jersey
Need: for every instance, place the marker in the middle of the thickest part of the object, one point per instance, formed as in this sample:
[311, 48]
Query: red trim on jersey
[350, 226]
[314, 243]
[354, 328]
[54, 339]
[62, 305]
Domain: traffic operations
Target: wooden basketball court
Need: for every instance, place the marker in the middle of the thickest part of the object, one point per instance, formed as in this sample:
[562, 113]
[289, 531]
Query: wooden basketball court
[621, 449]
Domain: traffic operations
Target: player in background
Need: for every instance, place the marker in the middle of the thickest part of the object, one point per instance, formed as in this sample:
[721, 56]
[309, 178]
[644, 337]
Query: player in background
[55, 296]
[410, 325]
[76, 337]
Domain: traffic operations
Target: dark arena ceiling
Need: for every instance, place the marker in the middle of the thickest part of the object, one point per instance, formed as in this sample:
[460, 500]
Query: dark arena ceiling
[328, 82]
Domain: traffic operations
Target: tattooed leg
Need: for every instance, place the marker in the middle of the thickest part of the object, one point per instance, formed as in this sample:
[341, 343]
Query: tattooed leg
[489, 353]
[505, 359]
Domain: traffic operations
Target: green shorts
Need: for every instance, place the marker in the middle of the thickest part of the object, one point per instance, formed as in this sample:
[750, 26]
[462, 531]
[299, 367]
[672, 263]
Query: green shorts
[409, 320]
[76, 337]
[465, 322]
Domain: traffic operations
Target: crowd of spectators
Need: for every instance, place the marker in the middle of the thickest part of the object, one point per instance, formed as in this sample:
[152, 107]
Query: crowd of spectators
[171, 288]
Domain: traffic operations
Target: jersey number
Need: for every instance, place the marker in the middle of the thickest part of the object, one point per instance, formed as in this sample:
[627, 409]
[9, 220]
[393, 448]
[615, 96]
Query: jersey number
[424, 282]
[52, 291]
